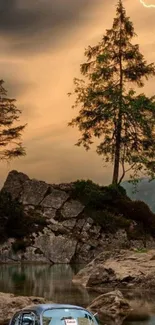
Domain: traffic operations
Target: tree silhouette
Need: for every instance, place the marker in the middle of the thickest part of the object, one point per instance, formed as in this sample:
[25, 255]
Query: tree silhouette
[110, 109]
[10, 135]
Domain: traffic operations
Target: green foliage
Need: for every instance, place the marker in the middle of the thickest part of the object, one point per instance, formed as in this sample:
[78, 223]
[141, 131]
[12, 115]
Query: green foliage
[98, 201]
[137, 211]
[10, 135]
[96, 196]
[109, 221]
[112, 209]
[116, 189]
[88, 192]
[141, 250]
[109, 109]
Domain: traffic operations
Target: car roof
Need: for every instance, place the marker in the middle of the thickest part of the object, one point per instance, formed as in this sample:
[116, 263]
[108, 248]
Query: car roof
[41, 308]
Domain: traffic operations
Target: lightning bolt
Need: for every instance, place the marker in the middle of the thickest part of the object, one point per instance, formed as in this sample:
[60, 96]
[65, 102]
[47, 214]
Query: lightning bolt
[145, 5]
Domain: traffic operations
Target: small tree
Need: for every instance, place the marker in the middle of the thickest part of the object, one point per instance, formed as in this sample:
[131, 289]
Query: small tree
[10, 136]
[110, 109]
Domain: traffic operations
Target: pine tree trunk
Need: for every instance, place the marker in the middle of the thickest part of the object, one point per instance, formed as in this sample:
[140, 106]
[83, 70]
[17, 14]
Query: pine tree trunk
[118, 141]
[119, 118]
[117, 152]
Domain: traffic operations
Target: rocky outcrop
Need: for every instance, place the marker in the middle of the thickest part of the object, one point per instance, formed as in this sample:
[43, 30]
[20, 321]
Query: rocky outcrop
[14, 183]
[70, 234]
[111, 308]
[9, 304]
[125, 268]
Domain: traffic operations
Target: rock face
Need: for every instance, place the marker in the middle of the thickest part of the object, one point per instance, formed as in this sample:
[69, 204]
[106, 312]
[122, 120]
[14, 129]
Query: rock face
[9, 304]
[70, 235]
[56, 249]
[111, 308]
[14, 183]
[33, 192]
[130, 269]
[55, 200]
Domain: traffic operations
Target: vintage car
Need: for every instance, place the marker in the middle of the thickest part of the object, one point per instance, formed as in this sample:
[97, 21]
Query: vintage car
[53, 314]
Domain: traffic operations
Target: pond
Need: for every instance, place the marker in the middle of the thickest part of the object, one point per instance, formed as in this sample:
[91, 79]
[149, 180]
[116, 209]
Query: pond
[51, 282]
[55, 284]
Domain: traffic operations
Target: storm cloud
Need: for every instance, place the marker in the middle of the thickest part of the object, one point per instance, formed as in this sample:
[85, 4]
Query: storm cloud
[42, 47]
[26, 23]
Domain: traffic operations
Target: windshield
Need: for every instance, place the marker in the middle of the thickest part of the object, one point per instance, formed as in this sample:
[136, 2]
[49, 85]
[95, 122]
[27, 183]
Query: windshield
[68, 316]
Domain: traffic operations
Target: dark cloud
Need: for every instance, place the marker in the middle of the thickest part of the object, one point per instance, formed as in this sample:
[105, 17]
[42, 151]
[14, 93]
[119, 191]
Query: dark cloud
[26, 23]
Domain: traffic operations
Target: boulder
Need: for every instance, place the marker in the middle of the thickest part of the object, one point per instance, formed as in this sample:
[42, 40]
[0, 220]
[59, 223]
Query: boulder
[14, 183]
[82, 277]
[9, 304]
[119, 269]
[111, 308]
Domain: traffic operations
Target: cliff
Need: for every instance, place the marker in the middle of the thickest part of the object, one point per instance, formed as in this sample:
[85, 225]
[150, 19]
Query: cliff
[68, 223]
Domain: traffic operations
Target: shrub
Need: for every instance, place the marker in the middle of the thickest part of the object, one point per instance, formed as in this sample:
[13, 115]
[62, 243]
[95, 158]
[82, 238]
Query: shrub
[112, 209]
[116, 190]
[108, 221]
[96, 196]
[135, 210]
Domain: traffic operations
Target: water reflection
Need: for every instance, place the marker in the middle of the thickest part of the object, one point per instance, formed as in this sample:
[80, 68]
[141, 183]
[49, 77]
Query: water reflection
[143, 304]
[52, 282]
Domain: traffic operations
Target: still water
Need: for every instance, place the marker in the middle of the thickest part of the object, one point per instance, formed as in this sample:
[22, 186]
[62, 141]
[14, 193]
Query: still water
[55, 284]
[51, 282]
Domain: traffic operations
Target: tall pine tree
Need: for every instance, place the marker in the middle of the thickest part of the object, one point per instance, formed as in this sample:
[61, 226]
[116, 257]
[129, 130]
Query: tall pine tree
[110, 109]
[10, 135]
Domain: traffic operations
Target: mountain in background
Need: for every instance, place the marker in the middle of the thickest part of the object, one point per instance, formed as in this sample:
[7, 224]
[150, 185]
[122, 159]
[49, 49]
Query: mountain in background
[145, 192]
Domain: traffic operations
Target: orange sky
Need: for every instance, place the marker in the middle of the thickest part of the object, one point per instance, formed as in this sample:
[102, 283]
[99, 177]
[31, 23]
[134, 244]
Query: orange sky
[42, 46]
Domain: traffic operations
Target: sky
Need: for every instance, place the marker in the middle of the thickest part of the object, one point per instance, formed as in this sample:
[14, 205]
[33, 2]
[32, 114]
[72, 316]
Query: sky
[42, 45]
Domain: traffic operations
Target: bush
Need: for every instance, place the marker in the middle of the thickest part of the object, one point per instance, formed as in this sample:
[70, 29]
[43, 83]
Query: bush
[108, 221]
[137, 211]
[112, 209]
[116, 190]
[95, 196]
